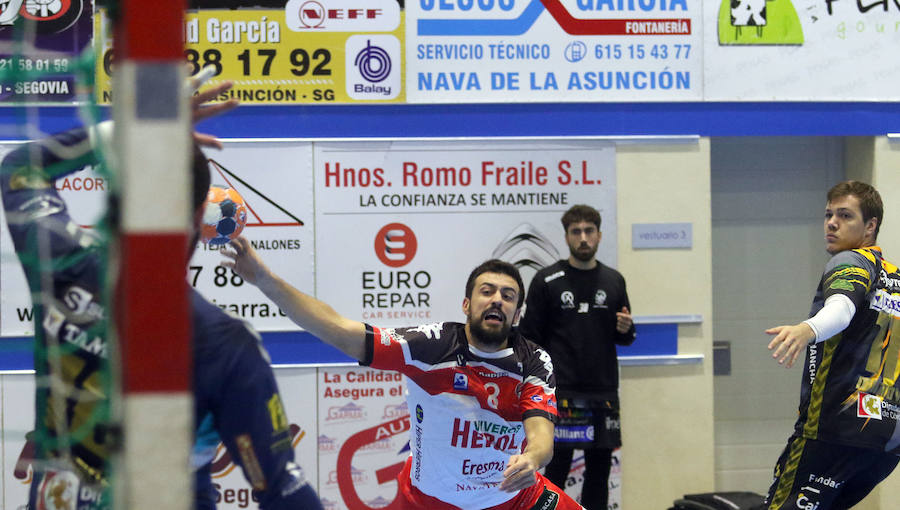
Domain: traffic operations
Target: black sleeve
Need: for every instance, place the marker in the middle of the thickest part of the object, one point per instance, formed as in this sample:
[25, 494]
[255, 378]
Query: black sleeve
[628, 337]
[370, 348]
[534, 322]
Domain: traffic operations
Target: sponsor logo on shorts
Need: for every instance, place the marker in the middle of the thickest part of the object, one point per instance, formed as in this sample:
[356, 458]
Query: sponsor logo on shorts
[548, 500]
[869, 406]
[827, 481]
[808, 499]
[573, 433]
[612, 423]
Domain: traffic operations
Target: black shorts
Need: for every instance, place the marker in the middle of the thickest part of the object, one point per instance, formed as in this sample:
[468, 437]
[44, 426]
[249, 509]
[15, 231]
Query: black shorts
[587, 423]
[820, 475]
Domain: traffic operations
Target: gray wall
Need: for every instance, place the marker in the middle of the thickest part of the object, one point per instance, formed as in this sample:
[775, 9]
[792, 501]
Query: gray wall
[768, 199]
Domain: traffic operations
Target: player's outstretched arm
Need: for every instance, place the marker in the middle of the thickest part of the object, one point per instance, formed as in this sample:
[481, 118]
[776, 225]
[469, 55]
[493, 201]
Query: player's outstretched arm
[313, 315]
[789, 342]
[833, 318]
[520, 469]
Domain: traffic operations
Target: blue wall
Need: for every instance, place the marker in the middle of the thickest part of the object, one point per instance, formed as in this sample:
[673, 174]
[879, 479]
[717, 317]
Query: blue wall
[536, 119]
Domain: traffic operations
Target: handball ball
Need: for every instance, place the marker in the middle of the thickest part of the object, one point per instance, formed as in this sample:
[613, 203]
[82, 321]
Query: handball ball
[224, 217]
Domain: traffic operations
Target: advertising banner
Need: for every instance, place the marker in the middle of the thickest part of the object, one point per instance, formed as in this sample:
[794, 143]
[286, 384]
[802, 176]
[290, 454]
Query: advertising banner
[274, 178]
[17, 408]
[575, 481]
[400, 225]
[343, 51]
[385, 232]
[40, 43]
[801, 50]
[473, 51]
[275, 181]
[363, 437]
[553, 50]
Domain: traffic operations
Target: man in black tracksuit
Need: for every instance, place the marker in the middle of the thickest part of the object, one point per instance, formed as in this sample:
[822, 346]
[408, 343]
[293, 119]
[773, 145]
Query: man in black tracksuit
[578, 310]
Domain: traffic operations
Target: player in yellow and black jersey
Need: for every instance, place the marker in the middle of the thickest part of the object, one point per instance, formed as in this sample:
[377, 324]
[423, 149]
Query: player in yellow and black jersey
[846, 439]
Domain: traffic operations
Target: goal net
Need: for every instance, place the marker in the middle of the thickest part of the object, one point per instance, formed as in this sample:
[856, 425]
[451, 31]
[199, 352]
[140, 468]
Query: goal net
[103, 402]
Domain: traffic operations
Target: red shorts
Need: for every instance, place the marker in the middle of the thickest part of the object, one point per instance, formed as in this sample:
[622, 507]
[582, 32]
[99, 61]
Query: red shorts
[543, 495]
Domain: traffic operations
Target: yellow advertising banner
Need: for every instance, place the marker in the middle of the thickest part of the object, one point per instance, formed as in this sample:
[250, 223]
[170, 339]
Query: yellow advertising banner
[288, 56]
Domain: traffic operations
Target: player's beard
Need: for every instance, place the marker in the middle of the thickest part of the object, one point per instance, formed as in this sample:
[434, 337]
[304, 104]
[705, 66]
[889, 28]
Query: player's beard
[489, 337]
[583, 252]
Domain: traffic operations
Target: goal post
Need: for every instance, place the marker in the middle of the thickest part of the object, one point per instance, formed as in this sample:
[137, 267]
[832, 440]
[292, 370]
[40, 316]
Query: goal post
[118, 411]
[152, 142]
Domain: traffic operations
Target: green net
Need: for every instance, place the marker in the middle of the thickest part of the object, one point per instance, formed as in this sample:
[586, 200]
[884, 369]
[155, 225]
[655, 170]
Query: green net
[47, 59]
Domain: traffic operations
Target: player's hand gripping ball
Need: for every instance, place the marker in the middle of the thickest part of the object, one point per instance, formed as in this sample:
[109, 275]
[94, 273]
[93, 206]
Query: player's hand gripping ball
[224, 217]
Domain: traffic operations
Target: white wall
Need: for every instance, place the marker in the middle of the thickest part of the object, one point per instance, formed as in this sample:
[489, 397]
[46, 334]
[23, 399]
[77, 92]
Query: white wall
[667, 411]
[768, 197]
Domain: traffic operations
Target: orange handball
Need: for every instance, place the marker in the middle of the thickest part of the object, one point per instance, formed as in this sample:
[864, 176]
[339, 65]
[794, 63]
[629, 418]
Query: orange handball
[224, 217]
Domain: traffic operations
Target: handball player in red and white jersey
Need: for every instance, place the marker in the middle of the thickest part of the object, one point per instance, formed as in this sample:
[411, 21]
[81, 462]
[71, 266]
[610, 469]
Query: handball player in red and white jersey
[481, 397]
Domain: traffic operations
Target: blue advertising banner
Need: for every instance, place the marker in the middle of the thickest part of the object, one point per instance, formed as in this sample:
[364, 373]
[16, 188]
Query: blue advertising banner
[553, 50]
[40, 42]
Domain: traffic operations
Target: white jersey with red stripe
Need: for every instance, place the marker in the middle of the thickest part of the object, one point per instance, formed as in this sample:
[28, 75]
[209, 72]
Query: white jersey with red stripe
[467, 406]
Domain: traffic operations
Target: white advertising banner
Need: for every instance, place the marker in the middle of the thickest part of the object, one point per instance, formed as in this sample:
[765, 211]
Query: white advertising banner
[575, 481]
[400, 225]
[553, 50]
[363, 437]
[275, 180]
[393, 228]
[801, 50]
[17, 419]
